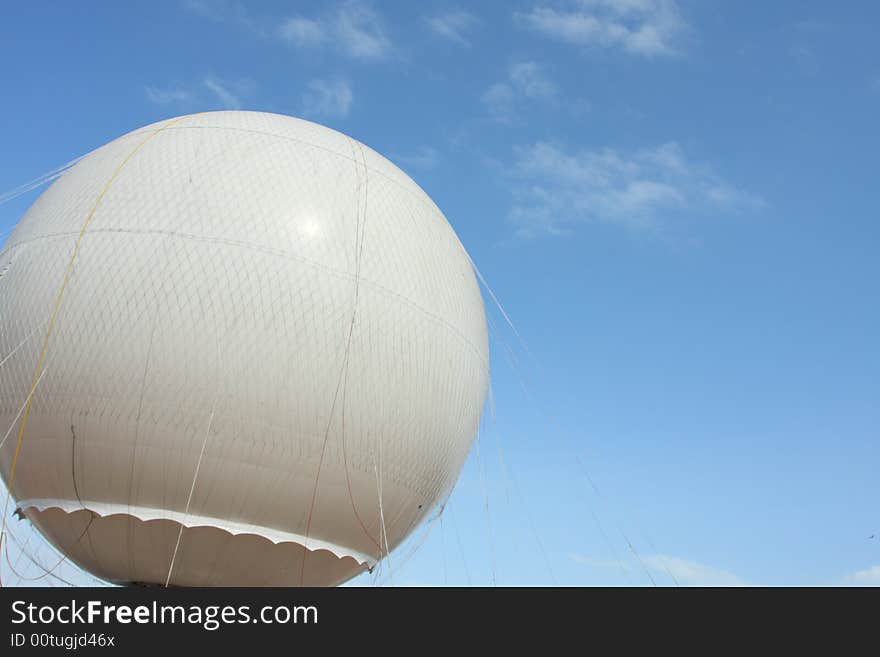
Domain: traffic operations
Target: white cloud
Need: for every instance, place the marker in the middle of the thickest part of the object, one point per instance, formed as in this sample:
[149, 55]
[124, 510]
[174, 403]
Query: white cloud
[610, 564]
[499, 97]
[211, 91]
[525, 80]
[868, 577]
[692, 573]
[223, 93]
[218, 10]
[225, 11]
[425, 158]
[453, 25]
[556, 189]
[361, 31]
[168, 95]
[642, 27]
[682, 571]
[302, 32]
[354, 28]
[530, 81]
[327, 98]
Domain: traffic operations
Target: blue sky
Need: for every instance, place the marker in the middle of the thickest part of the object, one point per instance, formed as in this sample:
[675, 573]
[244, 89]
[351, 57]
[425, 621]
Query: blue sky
[675, 202]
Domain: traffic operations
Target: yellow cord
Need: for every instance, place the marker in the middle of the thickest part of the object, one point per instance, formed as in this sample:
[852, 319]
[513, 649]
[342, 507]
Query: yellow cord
[58, 298]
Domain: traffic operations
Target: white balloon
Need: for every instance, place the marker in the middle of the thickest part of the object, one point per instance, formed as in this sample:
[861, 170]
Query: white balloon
[269, 345]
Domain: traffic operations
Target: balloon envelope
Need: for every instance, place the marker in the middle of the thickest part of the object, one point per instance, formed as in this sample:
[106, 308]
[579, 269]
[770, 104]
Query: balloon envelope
[259, 350]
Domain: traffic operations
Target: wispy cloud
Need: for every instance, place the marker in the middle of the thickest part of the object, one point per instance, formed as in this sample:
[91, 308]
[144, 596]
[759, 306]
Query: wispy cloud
[424, 158]
[168, 95]
[453, 25]
[355, 28]
[682, 572]
[692, 573]
[225, 11]
[868, 577]
[529, 80]
[525, 81]
[362, 31]
[302, 32]
[327, 99]
[610, 564]
[641, 27]
[555, 189]
[223, 93]
[209, 92]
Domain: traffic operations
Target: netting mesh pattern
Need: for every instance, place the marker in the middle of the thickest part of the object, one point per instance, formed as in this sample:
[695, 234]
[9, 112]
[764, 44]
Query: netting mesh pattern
[263, 279]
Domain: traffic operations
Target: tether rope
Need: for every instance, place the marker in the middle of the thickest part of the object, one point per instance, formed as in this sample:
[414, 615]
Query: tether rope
[56, 307]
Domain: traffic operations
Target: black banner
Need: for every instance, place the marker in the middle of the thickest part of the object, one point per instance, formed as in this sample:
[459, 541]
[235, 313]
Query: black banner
[123, 620]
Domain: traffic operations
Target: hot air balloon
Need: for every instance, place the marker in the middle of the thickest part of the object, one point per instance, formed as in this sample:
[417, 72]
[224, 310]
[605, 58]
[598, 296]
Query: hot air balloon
[246, 350]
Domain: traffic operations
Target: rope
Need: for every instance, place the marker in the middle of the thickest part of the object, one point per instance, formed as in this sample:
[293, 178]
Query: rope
[488, 515]
[130, 524]
[57, 306]
[382, 516]
[198, 467]
[498, 303]
[508, 474]
[20, 344]
[619, 528]
[189, 498]
[46, 573]
[38, 181]
[12, 426]
[512, 361]
[602, 531]
[76, 490]
[347, 474]
[429, 527]
[460, 547]
[359, 247]
[20, 555]
[443, 552]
